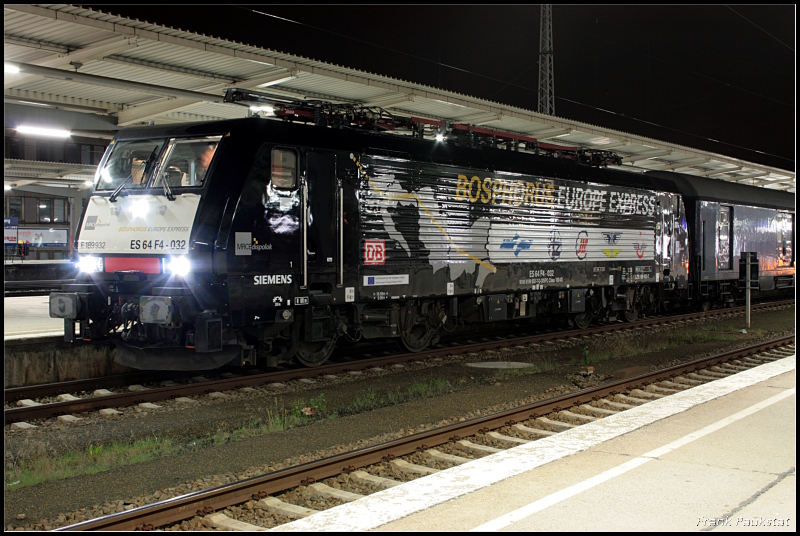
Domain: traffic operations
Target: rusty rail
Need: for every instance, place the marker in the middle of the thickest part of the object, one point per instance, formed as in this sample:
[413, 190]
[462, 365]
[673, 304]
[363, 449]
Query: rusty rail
[186, 506]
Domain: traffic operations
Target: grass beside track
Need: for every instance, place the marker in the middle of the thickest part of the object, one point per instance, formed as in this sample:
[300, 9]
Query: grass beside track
[38, 465]
[35, 462]
[630, 346]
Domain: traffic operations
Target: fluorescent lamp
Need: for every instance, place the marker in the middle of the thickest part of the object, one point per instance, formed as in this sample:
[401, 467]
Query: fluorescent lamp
[278, 81]
[10, 69]
[51, 132]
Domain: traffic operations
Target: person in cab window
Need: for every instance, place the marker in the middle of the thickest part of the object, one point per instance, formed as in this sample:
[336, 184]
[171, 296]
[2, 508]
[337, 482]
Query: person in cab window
[197, 170]
[137, 171]
[205, 158]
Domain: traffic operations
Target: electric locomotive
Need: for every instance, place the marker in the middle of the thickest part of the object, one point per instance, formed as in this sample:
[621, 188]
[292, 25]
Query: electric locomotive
[256, 240]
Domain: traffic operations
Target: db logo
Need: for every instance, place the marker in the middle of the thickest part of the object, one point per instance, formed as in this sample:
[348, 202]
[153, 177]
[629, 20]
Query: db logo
[374, 252]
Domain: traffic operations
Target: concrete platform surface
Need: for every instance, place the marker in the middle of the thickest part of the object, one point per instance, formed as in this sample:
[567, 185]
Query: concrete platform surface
[29, 316]
[720, 456]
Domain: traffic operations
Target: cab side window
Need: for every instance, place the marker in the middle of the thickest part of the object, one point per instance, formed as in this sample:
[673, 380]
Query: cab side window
[284, 169]
[724, 233]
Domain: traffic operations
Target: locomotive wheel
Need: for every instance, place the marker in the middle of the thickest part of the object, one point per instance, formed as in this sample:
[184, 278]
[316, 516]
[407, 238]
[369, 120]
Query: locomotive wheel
[633, 314]
[313, 354]
[417, 340]
[582, 320]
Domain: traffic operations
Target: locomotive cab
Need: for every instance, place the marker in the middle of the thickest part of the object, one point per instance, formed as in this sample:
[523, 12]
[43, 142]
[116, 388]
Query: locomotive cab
[144, 272]
[197, 249]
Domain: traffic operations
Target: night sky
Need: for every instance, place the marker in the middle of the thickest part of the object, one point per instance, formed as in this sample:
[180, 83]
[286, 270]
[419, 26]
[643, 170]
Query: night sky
[716, 78]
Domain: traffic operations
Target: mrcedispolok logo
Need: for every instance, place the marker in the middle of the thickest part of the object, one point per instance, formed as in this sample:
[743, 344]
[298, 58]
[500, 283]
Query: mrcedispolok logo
[92, 222]
[245, 244]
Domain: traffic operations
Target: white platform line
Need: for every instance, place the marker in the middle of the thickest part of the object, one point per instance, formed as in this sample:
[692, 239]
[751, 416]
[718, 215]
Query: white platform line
[33, 335]
[554, 498]
[398, 502]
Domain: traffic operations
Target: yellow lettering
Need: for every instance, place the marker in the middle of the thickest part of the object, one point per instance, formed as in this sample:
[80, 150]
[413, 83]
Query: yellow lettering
[487, 190]
[476, 182]
[528, 200]
[519, 193]
[502, 194]
[461, 188]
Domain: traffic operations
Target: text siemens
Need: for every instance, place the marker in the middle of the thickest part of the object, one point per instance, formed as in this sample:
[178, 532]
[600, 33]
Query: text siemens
[272, 279]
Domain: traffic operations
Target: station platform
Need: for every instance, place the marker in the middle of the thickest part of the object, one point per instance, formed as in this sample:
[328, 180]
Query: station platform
[720, 456]
[29, 316]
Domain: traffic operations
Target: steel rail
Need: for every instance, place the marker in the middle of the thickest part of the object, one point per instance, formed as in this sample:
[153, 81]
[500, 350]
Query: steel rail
[45, 411]
[206, 501]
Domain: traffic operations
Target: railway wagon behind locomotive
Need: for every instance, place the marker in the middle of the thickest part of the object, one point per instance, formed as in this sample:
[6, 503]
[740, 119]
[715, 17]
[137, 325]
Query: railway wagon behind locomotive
[729, 220]
[247, 240]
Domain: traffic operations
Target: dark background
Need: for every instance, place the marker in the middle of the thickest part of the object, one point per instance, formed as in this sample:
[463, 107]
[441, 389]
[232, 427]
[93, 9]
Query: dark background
[716, 78]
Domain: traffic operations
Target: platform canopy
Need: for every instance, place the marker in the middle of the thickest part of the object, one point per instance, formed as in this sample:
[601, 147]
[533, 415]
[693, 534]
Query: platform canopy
[132, 72]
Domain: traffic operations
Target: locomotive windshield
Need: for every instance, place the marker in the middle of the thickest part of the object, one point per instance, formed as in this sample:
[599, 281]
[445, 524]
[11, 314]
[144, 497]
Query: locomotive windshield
[129, 163]
[181, 162]
[187, 161]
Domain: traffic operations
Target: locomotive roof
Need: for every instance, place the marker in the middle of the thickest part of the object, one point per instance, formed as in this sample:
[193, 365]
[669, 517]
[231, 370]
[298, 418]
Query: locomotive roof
[690, 186]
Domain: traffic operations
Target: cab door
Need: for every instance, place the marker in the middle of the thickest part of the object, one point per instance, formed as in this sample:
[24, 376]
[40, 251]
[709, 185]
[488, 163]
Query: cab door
[263, 257]
[322, 221]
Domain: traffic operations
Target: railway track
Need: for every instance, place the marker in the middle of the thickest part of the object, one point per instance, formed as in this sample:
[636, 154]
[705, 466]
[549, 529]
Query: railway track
[29, 409]
[271, 499]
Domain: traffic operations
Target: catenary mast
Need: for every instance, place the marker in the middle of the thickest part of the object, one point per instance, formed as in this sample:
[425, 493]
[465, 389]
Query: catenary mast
[546, 89]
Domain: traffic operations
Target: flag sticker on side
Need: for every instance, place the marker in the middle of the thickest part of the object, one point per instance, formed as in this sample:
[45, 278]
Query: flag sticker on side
[385, 280]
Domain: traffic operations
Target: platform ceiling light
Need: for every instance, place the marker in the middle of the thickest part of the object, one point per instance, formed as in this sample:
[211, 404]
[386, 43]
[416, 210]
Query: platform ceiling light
[291, 75]
[6, 187]
[10, 69]
[49, 132]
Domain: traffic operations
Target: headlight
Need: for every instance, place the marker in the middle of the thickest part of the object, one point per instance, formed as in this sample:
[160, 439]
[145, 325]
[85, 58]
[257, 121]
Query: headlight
[90, 264]
[179, 266]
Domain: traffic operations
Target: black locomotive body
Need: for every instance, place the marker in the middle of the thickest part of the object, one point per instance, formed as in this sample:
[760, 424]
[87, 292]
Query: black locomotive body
[297, 236]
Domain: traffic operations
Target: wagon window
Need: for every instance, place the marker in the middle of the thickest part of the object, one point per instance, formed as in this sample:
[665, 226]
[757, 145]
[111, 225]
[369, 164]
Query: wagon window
[724, 228]
[785, 225]
[284, 169]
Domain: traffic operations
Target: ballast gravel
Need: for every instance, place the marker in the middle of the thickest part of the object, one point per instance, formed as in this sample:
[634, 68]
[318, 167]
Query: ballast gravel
[473, 392]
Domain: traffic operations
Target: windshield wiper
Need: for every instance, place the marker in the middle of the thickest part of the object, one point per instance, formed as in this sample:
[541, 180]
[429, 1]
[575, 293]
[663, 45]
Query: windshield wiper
[167, 190]
[113, 197]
